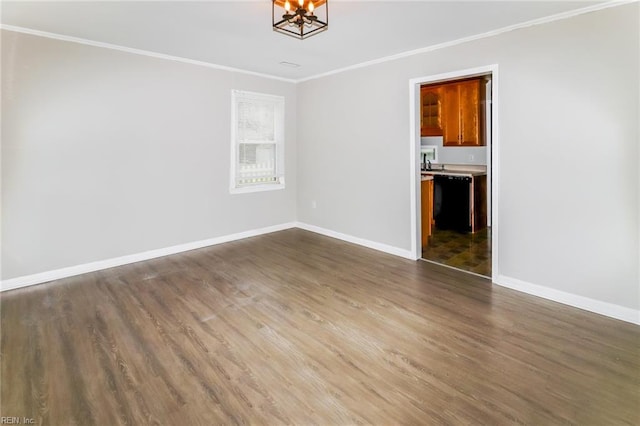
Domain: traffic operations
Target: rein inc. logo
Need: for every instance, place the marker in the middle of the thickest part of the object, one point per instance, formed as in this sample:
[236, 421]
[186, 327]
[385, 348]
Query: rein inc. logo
[17, 420]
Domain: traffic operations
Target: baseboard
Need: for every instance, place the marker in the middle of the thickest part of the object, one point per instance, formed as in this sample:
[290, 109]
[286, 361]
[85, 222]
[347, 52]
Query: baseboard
[603, 308]
[356, 240]
[592, 305]
[70, 271]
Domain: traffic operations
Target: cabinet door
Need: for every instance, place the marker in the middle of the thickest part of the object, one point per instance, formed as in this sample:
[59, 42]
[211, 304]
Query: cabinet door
[426, 210]
[450, 115]
[470, 125]
[430, 106]
[479, 203]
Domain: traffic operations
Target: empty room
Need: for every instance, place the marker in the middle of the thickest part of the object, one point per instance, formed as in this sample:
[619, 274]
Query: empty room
[326, 212]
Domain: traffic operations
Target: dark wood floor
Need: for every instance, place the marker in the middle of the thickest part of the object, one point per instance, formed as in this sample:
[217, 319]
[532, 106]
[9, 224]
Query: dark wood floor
[297, 328]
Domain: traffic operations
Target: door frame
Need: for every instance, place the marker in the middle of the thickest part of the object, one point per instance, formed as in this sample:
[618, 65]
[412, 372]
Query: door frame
[414, 157]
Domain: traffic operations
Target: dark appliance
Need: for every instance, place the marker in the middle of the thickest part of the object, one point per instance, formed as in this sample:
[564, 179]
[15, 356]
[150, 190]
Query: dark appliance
[452, 202]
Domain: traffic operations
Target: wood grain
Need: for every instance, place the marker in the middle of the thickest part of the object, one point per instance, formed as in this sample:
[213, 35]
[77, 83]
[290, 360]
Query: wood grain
[297, 328]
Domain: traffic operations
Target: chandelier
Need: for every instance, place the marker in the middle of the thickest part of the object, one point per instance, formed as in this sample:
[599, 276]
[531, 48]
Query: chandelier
[301, 18]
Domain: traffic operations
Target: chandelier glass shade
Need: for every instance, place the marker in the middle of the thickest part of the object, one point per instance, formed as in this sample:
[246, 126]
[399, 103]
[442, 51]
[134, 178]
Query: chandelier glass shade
[300, 18]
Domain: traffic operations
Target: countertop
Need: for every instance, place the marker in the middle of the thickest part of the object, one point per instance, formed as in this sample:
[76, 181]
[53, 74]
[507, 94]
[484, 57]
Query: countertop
[455, 171]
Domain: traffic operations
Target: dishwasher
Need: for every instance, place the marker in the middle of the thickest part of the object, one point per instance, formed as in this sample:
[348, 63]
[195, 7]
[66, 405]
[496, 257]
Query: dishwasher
[452, 202]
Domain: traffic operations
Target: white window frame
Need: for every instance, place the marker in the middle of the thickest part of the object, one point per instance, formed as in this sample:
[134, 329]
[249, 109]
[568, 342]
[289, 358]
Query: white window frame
[278, 103]
[431, 151]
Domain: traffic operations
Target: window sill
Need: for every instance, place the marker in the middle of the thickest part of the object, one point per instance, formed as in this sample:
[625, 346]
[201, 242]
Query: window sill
[256, 188]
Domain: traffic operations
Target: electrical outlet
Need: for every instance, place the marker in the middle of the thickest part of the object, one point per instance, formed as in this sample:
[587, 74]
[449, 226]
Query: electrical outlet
[314, 204]
[472, 157]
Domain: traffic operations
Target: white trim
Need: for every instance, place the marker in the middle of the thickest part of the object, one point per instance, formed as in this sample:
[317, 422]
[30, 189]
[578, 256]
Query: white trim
[415, 195]
[257, 188]
[592, 305]
[596, 306]
[495, 171]
[396, 251]
[414, 150]
[70, 271]
[278, 103]
[137, 51]
[539, 21]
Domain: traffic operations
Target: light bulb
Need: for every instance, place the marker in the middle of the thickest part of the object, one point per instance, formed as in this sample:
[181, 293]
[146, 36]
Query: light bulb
[301, 3]
[287, 6]
[311, 7]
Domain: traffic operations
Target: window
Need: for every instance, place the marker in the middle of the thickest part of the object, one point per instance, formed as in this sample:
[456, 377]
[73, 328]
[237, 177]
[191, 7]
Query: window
[257, 142]
[429, 153]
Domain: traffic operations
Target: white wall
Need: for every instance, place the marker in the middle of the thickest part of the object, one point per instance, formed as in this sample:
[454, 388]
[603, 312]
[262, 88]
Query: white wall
[568, 150]
[107, 154]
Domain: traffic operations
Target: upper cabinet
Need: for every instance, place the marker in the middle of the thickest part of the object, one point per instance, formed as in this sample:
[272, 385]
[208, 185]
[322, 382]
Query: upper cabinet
[430, 111]
[461, 123]
[453, 111]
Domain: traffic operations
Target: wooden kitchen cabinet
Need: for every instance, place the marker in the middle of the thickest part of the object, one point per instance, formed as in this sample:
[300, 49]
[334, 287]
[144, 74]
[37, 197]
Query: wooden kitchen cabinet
[426, 210]
[461, 116]
[478, 203]
[430, 110]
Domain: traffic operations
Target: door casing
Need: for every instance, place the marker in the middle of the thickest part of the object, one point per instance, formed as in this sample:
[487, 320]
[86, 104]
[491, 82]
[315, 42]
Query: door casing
[493, 169]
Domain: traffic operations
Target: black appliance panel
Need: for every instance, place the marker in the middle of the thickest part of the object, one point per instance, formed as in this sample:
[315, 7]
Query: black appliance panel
[452, 206]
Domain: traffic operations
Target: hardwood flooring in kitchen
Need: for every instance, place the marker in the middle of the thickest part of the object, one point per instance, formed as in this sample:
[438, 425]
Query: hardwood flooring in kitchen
[297, 328]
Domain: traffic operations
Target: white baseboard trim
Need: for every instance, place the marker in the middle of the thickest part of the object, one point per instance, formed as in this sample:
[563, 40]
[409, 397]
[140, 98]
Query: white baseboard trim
[356, 240]
[599, 307]
[603, 308]
[70, 271]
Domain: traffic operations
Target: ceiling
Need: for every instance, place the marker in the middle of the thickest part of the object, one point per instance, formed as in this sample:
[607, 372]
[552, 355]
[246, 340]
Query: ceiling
[238, 34]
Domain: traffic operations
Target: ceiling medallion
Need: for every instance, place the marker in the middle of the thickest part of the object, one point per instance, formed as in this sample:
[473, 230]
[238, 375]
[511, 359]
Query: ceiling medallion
[301, 18]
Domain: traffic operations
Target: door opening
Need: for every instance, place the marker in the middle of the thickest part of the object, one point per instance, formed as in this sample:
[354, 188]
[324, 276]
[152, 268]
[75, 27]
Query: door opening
[454, 217]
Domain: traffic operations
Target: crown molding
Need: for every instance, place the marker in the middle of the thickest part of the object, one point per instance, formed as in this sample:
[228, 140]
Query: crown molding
[138, 51]
[492, 33]
[531, 23]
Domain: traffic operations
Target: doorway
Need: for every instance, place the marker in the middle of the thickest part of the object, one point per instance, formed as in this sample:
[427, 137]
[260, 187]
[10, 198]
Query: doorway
[473, 249]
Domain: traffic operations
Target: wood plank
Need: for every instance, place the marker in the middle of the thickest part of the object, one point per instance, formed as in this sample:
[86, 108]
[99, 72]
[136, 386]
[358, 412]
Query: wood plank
[297, 328]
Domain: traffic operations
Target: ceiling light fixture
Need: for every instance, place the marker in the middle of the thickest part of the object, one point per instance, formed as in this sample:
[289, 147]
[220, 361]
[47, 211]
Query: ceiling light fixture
[301, 19]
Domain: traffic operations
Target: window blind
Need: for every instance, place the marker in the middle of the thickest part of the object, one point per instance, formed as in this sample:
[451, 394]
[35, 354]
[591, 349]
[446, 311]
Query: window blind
[259, 124]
